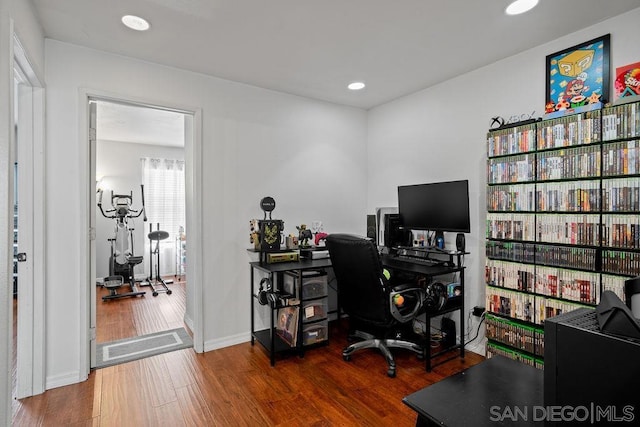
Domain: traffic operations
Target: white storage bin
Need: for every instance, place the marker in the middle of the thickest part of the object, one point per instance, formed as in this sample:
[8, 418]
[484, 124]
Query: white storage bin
[314, 284]
[314, 310]
[314, 287]
[315, 332]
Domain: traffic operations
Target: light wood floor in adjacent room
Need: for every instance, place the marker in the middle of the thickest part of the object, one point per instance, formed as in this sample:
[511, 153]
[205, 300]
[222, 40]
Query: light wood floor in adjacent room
[133, 317]
[234, 386]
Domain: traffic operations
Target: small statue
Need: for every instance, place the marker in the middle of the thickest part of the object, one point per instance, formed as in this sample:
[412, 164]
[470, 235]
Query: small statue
[304, 235]
[254, 234]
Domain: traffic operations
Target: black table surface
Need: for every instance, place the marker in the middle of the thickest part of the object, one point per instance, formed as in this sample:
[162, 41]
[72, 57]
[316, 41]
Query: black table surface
[303, 264]
[411, 266]
[389, 261]
[496, 392]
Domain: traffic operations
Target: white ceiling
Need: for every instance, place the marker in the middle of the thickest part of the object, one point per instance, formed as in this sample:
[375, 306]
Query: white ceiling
[315, 48]
[139, 124]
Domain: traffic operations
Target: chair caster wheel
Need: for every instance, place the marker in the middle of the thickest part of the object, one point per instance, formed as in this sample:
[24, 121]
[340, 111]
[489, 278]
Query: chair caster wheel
[169, 292]
[346, 358]
[420, 356]
[155, 294]
[391, 373]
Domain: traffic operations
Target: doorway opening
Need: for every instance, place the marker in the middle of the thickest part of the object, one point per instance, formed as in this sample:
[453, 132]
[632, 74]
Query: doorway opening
[138, 166]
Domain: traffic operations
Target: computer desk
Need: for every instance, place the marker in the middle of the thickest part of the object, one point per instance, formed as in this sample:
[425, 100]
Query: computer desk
[389, 262]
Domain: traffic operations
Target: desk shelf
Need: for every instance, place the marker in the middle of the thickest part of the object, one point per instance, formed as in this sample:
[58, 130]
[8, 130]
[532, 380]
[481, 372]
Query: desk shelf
[289, 280]
[278, 346]
[452, 264]
[452, 305]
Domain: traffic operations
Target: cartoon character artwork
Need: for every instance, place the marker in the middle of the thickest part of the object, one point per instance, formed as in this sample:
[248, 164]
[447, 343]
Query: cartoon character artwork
[627, 81]
[578, 76]
[575, 89]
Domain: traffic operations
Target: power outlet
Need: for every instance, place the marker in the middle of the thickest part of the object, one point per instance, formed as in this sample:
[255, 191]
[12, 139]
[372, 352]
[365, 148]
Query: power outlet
[478, 311]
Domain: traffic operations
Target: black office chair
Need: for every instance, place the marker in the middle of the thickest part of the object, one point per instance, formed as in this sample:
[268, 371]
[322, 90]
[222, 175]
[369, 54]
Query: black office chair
[369, 299]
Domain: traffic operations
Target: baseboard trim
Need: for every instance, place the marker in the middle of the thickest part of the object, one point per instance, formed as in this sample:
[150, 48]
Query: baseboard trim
[226, 341]
[64, 379]
[478, 347]
[189, 322]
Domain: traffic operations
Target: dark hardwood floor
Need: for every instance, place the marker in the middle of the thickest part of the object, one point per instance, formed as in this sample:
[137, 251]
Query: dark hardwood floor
[233, 386]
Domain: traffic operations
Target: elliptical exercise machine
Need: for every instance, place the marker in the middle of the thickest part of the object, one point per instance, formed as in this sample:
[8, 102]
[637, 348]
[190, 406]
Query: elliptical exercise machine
[157, 283]
[122, 259]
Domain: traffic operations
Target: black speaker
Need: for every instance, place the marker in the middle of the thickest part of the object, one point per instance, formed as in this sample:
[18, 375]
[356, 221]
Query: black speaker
[371, 228]
[394, 234]
[448, 328]
[460, 245]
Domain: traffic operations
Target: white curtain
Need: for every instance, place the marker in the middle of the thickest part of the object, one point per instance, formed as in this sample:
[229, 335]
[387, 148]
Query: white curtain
[163, 181]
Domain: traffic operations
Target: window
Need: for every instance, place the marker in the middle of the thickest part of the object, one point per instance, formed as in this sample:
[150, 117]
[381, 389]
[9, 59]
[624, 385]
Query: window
[163, 181]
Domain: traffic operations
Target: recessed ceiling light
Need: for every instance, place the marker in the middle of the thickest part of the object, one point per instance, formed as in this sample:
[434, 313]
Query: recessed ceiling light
[520, 6]
[135, 22]
[356, 86]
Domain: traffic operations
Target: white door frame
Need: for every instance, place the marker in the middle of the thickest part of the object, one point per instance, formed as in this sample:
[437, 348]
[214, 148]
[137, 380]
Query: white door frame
[6, 197]
[30, 342]
[193, 191]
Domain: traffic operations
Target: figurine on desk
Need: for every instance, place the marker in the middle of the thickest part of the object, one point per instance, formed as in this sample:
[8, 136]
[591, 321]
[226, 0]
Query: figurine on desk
[304, 235]
[320, 239]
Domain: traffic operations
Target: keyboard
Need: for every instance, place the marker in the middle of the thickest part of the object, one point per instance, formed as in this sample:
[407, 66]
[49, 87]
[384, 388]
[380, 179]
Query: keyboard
[421, 261]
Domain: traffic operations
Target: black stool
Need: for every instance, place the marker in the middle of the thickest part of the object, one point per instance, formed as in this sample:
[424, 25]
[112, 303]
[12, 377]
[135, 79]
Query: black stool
[158, 284]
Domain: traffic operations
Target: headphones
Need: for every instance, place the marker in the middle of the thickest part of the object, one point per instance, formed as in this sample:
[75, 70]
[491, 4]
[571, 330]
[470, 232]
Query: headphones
[436, 296]
[267, 296]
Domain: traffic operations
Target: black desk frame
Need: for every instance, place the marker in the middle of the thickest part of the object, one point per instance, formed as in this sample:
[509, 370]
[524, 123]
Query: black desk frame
[273, 344]
[406, 265]
[267, 337]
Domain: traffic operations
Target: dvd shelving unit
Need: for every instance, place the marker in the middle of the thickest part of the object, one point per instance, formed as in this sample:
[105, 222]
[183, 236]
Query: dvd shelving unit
[620, 195]
[562, 221]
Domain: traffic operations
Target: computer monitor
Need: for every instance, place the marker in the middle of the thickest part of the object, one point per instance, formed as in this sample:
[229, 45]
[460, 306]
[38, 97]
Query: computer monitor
[438, 206]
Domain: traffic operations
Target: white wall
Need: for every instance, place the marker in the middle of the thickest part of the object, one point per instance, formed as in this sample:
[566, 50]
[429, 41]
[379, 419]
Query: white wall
[439, 134]
[120, 163]
[308, 155]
